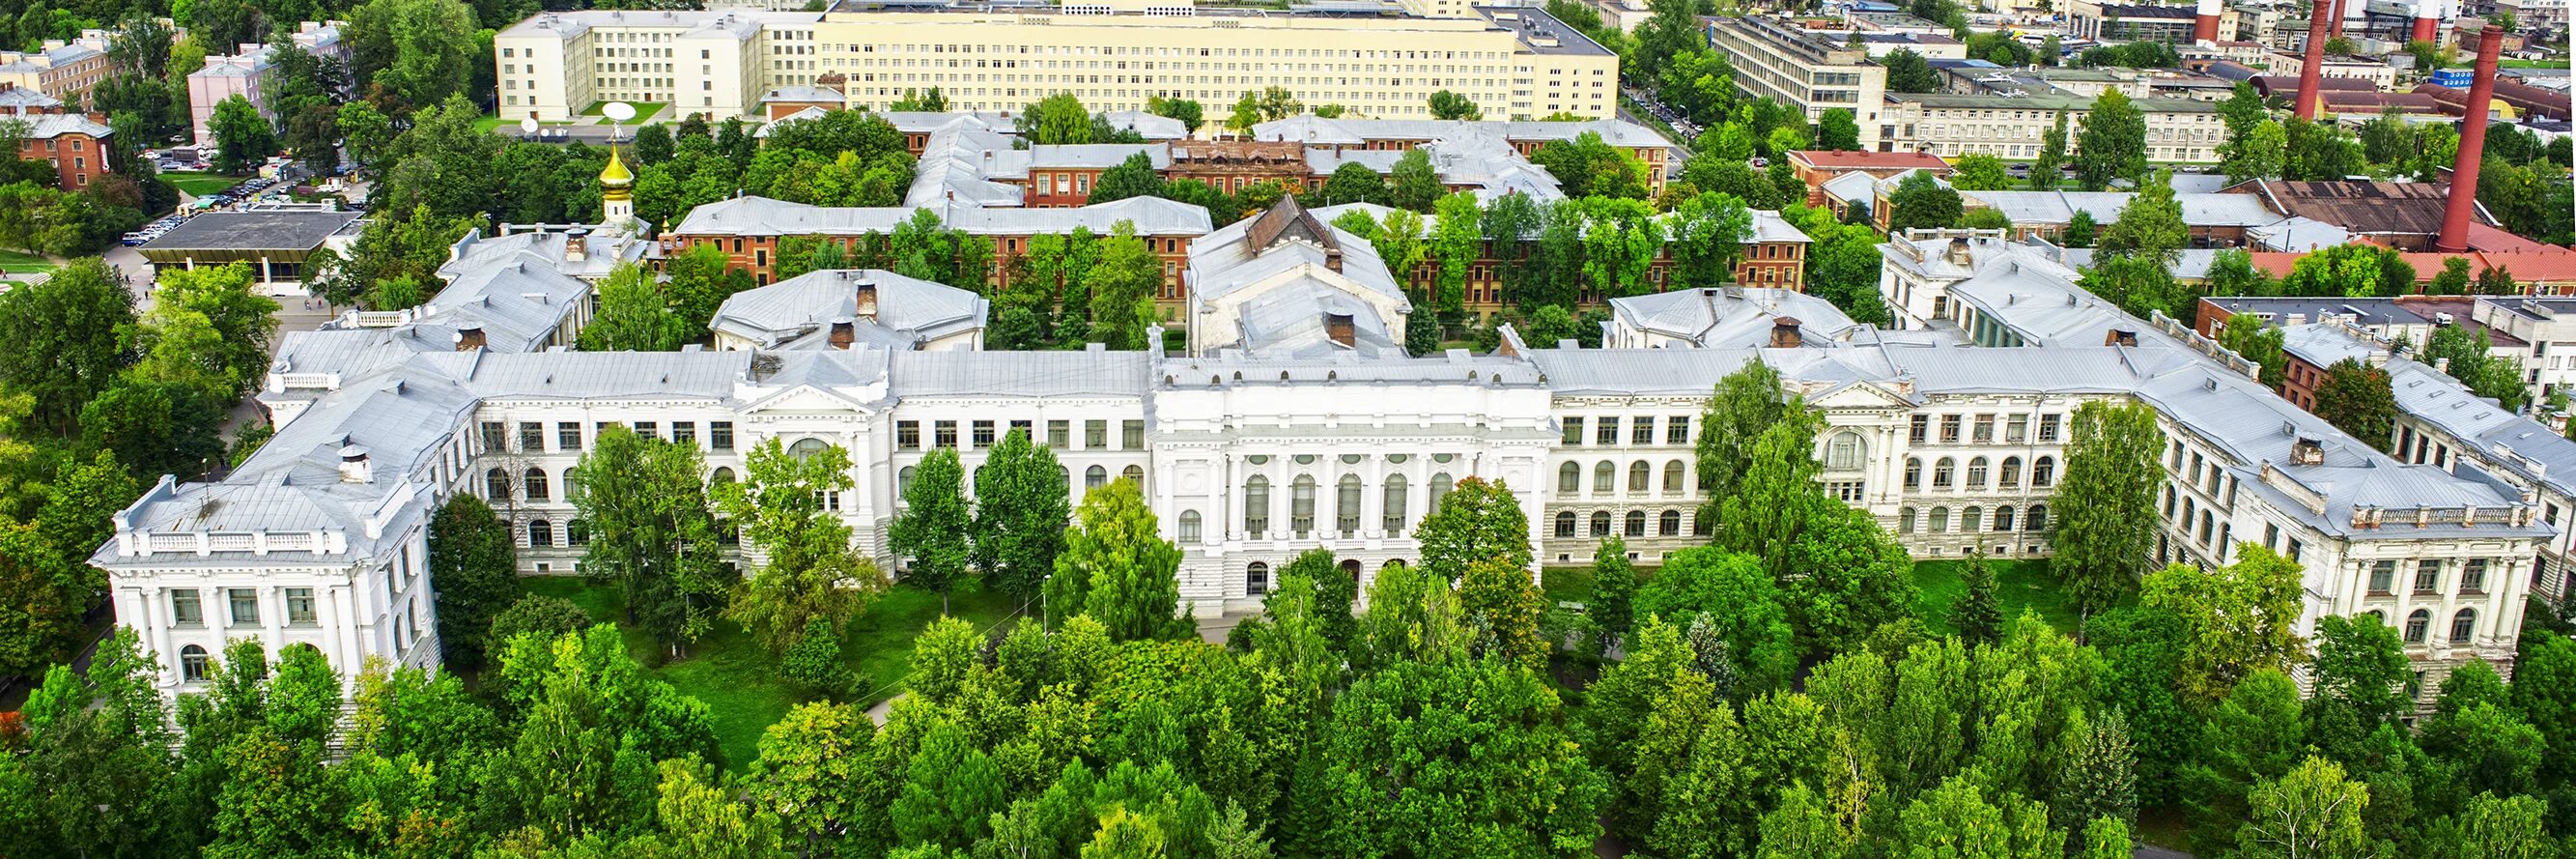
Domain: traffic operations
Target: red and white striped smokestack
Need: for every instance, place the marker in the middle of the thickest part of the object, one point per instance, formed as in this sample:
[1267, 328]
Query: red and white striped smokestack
[2306, 108]
[2204, 22]
[2463, 199]
[2338, 19]
[2428, 22]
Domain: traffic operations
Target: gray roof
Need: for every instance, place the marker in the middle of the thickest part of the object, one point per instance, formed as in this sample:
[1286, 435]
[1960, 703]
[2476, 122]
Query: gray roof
[1309, 128]
[27, 97]
[2059, 207]
[762, 216]
[1064, 373]
[45, 125]
[2518, 444]
[1148, 125]
[797, 313]
[1101, 156]
[739, 23]
[1291, 321]
[254, 231]
[1732, 317]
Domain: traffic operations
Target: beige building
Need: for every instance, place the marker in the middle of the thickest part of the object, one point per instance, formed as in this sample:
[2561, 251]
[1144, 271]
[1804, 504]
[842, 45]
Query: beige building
[1949, 125]
[1787, 65]
[1513, 63]
[63, 70]
[2378, 72]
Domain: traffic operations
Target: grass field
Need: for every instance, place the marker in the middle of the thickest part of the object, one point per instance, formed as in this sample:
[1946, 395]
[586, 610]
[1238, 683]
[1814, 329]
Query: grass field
[14, 262]
[2531, 64]
[644, 111]
[2019, 586]
[201, 184]
[742, 683]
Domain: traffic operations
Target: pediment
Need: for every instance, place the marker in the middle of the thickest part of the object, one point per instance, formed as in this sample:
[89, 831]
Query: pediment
[1859, 395]
[809, 398]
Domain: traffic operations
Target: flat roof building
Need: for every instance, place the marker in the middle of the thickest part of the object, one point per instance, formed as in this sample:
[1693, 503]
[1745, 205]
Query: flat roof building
[2179, 131]
[276, 243]
[1788, 65]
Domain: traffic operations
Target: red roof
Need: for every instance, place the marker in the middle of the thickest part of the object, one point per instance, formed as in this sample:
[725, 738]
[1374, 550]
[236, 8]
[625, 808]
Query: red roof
[1833, 160]
[2548, 264]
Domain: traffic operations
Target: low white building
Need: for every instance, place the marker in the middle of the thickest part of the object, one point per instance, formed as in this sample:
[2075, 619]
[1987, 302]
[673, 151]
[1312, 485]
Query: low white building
[834, 309]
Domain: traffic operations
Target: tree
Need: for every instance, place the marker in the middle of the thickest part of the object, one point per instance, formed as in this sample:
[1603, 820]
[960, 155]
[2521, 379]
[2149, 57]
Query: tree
[2312, 811]
[811, 770]
[1977, 171]
[1413, 185]
[1706, 234]
[2242, 617]
[2105, 502]
[1771, 504]
[2251, 339]
[1056, 119]
[1020, 514]
[1586, 166]
[1190, 113]
[365, 131]
[417, 52]
[2357, 398]
[2453, 280]
[1476, 521]
[474, 571]
[2049, 168]
[1743, 605]
[46, 597]
[1117, 568]
[2111, 141]
[1614, 588]
[66, 341]
[1978, 618]
[547, 617]
[651, 532]
[810, 573]
[1501, 604]
[2542, 692]
[154, 428]
[923, 101]
[1922, 201]
[2097, 777]
[2359, 668]
[219, 298]
[1837, 131]
[243, 138]
[1353, 182]
[1267, 105]
[2319, 151]
[1123, 285]
[633, 316]
[2463, 354]
[1907, 71]
[935, 527]
[1134, 177]
[2262, 153]
[1450, 105]
[1743, 405]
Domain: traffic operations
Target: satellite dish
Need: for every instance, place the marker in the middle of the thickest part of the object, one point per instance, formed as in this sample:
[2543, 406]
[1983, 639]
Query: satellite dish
[619, 111]
[528, 125]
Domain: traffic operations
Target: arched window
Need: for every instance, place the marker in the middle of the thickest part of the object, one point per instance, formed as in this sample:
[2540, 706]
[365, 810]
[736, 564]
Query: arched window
[538, 489]
[541, 533]
[193, 664]
[1301, 505]
[1392, 516]
[496, 485]
[1094, 478]
[1905, 520]
[1639, 473]
[1256, 504]
[1440, 485]
[1636, 523]
[2416, 624]
[1565, 523]
[2038, 519]
[1189, 526]
[2043, 472]
[722, 476]
[1670, 525]
[1940, 523]
[1134, 474]
[1601, 524]
[1942, 472]
[2010, 476]
[577, 532]
[1845, 451]
[1569, 479]
[2376, 617]
[1673, 477]
[1913, 472]
[1605, 478]
[1346, 506]
[1971, 519]
[1351, 568]
[2003, 518]
[2205, 527]
[806, 447]
[903, 481]
[2464, 626]
[1977, 473]
[1256, 578]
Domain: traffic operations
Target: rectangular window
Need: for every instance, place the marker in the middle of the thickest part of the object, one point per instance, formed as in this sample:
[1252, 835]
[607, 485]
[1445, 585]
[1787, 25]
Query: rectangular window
[648, 429]
[1059, 434]
[720, 435]
[1574, 432]
[1131, 435]
[1641, 431]
[2047, 428]
[299, 607]
[496, 436]
[1921, 431]
[943, 434]
[1607, 433]
[1095, 435]
[2473, 576]
[185, 608]
[983, 434]
[2383, 577]
[1950, 429]
[2428, 576]
[244, 603]
[532, 437]
[1677, 430]
[907, 435]
[1984, 433]
[2016, 429]
[685, 432]
[568, 435]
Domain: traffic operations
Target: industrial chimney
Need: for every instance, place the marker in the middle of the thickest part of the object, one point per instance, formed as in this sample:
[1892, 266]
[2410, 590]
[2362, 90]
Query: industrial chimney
[2336, 30]
[2428, 21]
[2463, 200]
[2204, 22]
[2306, 108]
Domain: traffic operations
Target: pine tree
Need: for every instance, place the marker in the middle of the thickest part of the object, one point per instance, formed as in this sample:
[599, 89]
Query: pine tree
[1614, 589]
[1978, 618]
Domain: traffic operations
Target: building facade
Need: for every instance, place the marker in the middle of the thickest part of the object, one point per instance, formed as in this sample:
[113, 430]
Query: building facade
[1788, 65]
[2180, 131]
[248, 74]
[62, 69]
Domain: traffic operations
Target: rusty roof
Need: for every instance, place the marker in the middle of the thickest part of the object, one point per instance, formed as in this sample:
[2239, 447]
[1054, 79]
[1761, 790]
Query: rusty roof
[2374, 208]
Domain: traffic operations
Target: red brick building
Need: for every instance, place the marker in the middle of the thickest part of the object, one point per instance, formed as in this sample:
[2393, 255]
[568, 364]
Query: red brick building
[1816, 167]
[74, 144]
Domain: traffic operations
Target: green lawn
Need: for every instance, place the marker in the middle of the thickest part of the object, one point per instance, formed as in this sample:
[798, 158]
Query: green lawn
[201, 184]
[742, 683]
[14, 262]
[2019, 585]
[2531, 64]
[644, 111]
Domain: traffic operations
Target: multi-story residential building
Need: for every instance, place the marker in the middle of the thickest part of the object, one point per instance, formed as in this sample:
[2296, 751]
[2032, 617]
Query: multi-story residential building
[62, 69]
[2181, 131]
[1515, 62]
[75, 144]
[1786, 64]
[248, 73]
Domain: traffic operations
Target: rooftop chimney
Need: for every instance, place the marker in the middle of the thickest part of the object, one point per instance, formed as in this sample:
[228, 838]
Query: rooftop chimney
[865, 301]
[469, 338]
[576, 244]
[1338, 327]
[2463, 200]
[2306, 450]
[2204, 22]
[2119, 337]
[353, 465]
[844, 332]
[1333, 260]
[1784, 333]
[2306, 107]
[2428, 22]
